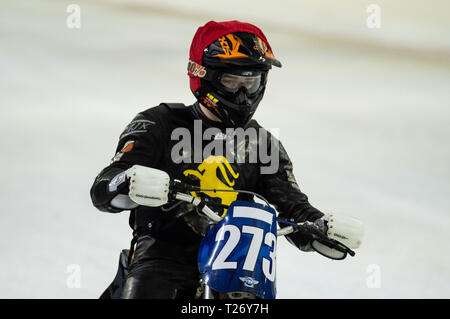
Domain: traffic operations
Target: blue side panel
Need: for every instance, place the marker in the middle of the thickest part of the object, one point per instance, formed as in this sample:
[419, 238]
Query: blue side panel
[230, 240]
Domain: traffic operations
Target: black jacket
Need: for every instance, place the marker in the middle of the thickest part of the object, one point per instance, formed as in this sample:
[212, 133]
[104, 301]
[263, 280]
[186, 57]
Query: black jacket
[151, 140]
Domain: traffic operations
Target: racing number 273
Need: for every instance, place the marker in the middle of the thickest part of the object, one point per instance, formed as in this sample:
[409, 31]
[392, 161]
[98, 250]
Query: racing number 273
[268, 266]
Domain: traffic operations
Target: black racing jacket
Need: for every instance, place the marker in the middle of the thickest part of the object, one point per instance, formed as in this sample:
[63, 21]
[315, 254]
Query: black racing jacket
[169, 137]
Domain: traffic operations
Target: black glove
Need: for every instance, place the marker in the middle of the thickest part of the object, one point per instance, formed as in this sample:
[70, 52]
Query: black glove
[302, 239]
[314, 237]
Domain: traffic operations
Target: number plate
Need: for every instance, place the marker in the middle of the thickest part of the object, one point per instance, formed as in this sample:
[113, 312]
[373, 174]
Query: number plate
[239, 253]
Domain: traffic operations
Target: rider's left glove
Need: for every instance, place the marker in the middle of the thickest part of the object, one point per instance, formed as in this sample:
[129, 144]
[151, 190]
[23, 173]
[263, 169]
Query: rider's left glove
[346, 230]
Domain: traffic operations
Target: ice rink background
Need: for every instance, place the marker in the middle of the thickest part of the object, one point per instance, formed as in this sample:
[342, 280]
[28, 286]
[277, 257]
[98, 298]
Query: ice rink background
[363, 113]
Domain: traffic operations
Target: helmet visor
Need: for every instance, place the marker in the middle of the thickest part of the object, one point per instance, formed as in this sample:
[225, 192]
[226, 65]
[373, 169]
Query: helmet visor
[233, 83]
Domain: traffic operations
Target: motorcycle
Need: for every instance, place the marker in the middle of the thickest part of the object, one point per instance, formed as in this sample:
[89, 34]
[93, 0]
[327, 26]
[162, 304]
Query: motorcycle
[237, 256]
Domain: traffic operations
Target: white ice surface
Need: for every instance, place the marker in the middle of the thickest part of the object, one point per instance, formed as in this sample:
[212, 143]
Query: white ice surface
[367, 130]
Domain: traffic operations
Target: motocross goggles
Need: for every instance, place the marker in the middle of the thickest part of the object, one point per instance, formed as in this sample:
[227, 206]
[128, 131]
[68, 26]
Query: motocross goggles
[249, 81]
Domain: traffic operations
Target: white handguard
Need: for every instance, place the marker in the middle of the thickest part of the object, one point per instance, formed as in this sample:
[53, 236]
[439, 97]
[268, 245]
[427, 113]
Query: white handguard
[345, 229]
[148, 186]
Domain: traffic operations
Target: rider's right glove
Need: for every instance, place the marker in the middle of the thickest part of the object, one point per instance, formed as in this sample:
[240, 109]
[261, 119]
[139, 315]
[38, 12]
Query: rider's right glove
[148, 186]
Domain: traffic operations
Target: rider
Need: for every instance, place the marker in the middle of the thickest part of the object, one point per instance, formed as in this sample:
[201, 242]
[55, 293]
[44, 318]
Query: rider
[228, 68]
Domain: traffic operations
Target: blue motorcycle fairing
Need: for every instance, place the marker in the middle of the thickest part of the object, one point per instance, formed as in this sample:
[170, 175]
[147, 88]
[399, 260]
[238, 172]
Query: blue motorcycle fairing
[239, 253]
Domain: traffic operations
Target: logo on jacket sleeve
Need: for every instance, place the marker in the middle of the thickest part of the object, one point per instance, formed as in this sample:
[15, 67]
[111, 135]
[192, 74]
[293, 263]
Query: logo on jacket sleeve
[125, 149]
[138, 125]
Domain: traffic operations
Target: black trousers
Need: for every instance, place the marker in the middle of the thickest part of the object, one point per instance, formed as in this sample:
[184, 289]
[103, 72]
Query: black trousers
[162, 270]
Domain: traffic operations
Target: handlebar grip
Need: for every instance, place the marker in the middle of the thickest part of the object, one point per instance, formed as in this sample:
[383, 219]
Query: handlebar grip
[195, 201]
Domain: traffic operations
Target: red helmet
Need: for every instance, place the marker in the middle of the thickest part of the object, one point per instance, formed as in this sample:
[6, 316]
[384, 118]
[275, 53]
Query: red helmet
[228, 66]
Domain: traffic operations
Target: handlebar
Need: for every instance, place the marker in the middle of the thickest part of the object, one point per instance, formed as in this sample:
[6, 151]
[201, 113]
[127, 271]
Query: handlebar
[216, 218]
[197, 202]
[178, 192]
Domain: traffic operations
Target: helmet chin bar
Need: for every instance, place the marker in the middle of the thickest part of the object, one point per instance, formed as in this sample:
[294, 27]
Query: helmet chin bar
[241, 116]
[234, 110]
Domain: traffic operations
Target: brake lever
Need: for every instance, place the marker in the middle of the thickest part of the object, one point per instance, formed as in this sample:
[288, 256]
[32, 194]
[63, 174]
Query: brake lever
[318, 235]
[333, 243]
[176, 186]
